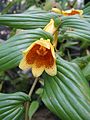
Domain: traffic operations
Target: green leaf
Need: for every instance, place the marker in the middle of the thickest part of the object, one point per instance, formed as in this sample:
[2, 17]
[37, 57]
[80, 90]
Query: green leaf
[86, 9]
[11, 50]
[75, 27]
[28, 20]
[12, 106]
[86, 71]
[87, 18]
[67, 94]
[39, 91]
[33, 108]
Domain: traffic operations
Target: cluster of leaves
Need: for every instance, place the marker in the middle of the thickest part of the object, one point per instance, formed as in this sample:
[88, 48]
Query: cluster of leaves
[67, 94]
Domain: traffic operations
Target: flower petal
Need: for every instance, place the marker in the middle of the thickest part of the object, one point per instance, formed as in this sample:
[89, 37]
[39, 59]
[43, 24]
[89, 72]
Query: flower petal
[44, 43]
[50, 27]
[52, 70]
[39, 56]
[52, 51]
[56, 10]
[37, 71]
[68, 12]
[72, 12]
[24, 65]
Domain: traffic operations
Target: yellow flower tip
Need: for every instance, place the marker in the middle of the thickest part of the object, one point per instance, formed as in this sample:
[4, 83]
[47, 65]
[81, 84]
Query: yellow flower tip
[72, 12]
[56, 10]
[50, 27]
[39, 56]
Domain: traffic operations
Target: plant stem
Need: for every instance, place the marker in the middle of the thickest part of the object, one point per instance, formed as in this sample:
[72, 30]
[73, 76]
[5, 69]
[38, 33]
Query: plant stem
[30, 94]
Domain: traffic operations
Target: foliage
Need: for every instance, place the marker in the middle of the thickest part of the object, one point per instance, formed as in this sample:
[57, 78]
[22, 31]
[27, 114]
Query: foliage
[12, 105]
[66, 94]
[33, 107]
[11, 51]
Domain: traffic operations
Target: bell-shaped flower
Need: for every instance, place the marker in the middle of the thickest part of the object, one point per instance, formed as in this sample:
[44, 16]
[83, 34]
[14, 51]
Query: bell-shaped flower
[50, 27]
[68, 12]
[72, 12]
[39, 56]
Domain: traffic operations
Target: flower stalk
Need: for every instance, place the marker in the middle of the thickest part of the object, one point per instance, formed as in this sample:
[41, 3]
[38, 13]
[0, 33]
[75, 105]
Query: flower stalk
[30, 94]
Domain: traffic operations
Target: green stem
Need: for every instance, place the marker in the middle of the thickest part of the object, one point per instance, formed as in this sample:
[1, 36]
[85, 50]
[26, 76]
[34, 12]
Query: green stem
[30, 94]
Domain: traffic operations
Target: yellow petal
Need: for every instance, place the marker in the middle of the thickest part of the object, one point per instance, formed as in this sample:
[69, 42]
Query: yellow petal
[23, 64]
[50, 27]
[37, 71]
[56, 10]
[66, 11]
[44, 43]
[80, 12]
[52, 70]
[52, 51]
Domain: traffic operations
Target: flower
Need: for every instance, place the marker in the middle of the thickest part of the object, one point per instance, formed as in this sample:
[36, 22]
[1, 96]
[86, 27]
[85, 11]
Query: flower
[68, 12]
[72, 12]
[39, 56]
[50, 27]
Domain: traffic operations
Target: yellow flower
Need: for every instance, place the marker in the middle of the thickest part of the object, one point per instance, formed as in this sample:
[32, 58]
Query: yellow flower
[68, 12]
[50, 27]
[72, 12]
[39, 56]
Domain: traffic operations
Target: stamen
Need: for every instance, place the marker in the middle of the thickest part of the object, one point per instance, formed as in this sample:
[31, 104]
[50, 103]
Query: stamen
[41, 51]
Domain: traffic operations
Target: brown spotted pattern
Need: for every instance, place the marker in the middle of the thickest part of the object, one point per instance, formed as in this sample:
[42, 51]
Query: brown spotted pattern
[40, 56]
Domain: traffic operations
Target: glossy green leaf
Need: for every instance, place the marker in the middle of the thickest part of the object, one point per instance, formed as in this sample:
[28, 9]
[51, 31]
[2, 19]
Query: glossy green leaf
[87, 18]
[67, 94]
[33, 108]
[86, 9]
[11, 50]
[12, 106]
[75, 27]
[27, 20]
[86, 71]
